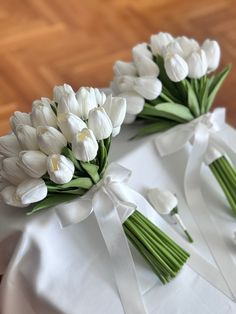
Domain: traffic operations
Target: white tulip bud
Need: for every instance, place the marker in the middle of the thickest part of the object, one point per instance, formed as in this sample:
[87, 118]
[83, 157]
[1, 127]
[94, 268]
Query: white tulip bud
[8, 195]
[176, 67]
[19, 118]
[146, 66]
[173, 48]
[197, 63]
[129, 118]
[42, 113]
[85, 146]
[70, 125]
[116, 131]
[9, 145]
[148, 87]
[65, 97]
[141, 50]
[159, 42]
[34, 163]
[115, 107]
[27, 137]
[212, 51]
[100, 123]
[121, 68]
[87, 101]
[163, 201]
[31, 191]
[99, 96]
[12, 172]
[125, 83]
[50, 140]
[135, 102]
[60, 169]
[188, 45]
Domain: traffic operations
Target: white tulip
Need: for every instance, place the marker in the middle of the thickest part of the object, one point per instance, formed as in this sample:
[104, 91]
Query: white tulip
[146, 66]
[163, 201]
[19, 118]
[34, 163]
[173, 48]
[212, 50]
[99, 96]
[85, 146]
[60, 169]
[141, 49]
[125, 83]
[197, 63]
[12, 172]
[115, 107]
[124, 68]
[31, 191]
[65, 97]
[42, 113]
[135, 102]
[70, 125]
[87, 101]
[176, 67]
[100, 123]
[148, 87]
[50, 140]
[8, 195]
[159, 42]
[188, 45]
[129, 118]
[9, 145]
[27, 137]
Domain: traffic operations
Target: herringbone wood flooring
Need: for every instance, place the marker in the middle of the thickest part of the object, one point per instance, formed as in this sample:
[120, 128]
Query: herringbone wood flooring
[43, 43]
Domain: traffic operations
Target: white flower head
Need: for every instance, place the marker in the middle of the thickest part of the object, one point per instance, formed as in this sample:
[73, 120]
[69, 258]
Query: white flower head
[34, 163]
[31, 191]
[212, 51]
[148, 87]
[50, 140]
[70, 124]
[27, 137]
[60, 169]
[12, 172]
[176, 67]
[187, 45]
[85, 146]
[159, 42]
[197, 64]
[66, 100]
[42, 113]
[19, 118]
[87, 101]
[115, 108]
[9, 145]
[100, 123]
[121, 68]
[8, 195]
[163, 201]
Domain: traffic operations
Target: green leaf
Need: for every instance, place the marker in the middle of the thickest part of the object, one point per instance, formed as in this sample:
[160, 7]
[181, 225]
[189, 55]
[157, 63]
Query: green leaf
[84, 183]
[193, 103]
[171, 111]
[155, 128]
[92, 170]
[51, 201]
[216, 84]
[69, 154]
[102, 157]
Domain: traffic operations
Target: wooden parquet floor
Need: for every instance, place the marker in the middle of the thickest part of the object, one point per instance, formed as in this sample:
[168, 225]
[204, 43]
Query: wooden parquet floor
[48, 42]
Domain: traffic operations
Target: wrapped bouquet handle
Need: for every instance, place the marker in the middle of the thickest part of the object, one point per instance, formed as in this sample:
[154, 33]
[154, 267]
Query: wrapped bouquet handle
[110, 212]
[208, 144]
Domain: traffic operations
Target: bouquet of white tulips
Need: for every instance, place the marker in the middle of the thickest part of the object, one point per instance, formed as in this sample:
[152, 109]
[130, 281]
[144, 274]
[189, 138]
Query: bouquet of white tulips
[170, 82]
[60, 150]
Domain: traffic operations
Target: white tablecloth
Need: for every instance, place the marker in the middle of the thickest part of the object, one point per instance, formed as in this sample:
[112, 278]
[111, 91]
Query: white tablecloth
[53, 270]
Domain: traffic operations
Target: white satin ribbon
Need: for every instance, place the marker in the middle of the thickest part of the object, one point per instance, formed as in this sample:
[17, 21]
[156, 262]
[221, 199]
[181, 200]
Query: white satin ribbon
[109, 200]
[205, 134]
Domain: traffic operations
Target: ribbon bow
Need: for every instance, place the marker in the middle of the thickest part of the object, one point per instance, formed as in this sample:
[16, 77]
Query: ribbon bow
[109, 200]
[208, 144]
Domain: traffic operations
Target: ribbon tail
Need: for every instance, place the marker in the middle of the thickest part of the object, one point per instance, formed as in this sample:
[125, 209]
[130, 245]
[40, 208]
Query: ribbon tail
[117, 245]
[197, 206]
